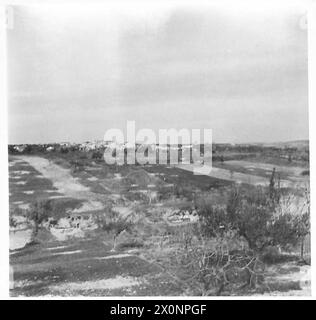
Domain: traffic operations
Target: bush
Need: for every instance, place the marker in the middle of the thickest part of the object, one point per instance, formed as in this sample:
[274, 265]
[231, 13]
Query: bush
[77, 165]
[259, 217]
[38, 212]
[214, 218]
[114, 224]
[64, 150]
[250, 214]
[207, 261]
[12, 222]
[272, 255]
[97, 155]
[184, 191]
[207, 268]
[133, 244]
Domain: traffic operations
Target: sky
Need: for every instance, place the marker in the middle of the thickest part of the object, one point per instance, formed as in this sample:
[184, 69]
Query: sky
[76, 71]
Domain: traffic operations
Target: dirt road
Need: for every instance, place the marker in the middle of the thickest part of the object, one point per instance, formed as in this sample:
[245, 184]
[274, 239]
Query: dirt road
[64, 181]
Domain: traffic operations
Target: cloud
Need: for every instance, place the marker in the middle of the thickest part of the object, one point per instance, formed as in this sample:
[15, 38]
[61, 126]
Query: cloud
[181, 67]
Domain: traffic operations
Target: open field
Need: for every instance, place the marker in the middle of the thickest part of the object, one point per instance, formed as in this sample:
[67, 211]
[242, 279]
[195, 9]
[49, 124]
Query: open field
[74, 252]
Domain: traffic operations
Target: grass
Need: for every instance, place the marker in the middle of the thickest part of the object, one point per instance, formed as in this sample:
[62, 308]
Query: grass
[41, 187]
[255, 171]
[42, 268]
[181, 177]
[277, 161]
[48, 262]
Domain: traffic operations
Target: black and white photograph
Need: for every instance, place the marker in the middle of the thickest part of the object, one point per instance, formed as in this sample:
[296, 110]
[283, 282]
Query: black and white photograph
[158, 150]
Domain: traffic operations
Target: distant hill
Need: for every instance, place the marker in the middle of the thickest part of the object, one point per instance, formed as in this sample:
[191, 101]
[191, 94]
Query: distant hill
[299, 144]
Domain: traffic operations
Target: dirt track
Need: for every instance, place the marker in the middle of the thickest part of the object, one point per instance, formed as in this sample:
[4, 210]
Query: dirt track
[64, 181]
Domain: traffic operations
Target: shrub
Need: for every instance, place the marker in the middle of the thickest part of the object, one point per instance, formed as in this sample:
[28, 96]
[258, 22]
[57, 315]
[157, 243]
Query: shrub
[184, 191]
[133, 244]
[259, 217]
[38, 212]
[12, 222]
[272, 255]
[207, 268]
[250, 213]
[97, 155]
[114, 224]
[213, 218]
[77, 165]
[291, 222]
